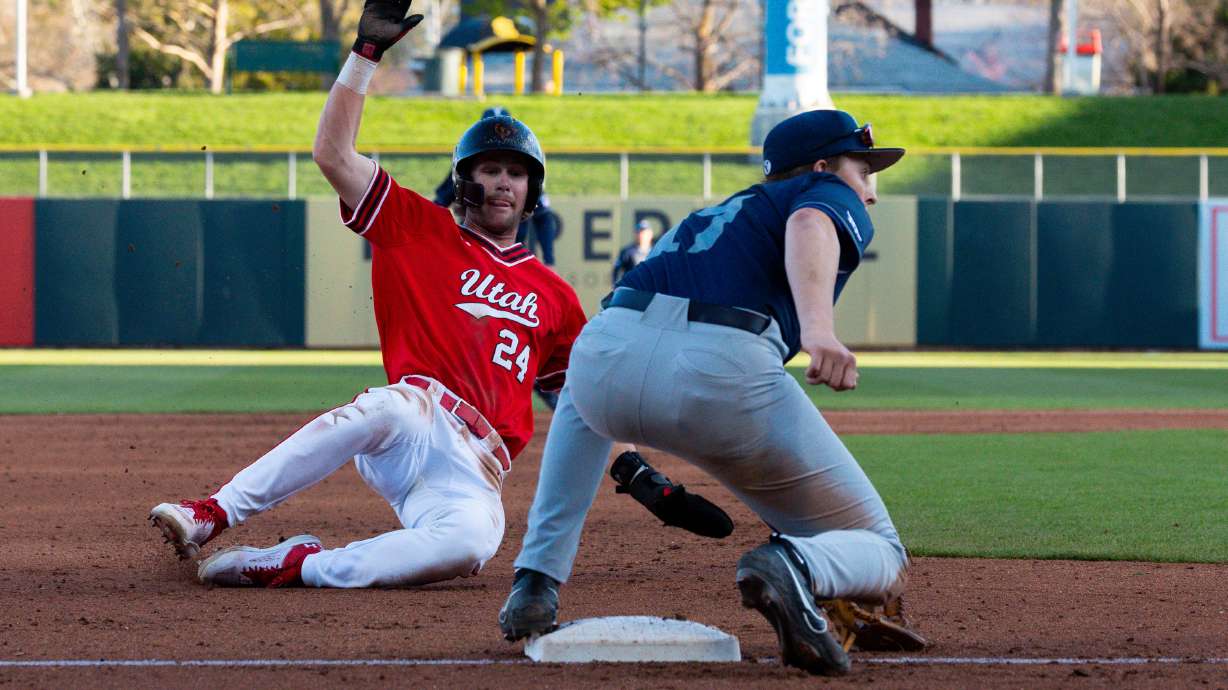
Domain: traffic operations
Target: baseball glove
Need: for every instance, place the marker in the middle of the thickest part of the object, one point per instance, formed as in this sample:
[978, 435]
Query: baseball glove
[672, 503]
[873, 628]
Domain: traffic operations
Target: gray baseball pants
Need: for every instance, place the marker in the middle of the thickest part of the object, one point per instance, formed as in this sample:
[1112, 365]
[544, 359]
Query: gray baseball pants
[721, 399]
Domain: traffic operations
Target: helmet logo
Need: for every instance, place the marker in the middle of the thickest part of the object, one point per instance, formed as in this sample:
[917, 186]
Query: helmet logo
[502, 131]
[767, 167]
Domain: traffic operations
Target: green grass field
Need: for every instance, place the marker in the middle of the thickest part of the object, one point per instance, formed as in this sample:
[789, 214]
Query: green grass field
[636, 122]
[1138, 495]
[1141, 495]
[136, 381]
[124, 389]
[170, 131]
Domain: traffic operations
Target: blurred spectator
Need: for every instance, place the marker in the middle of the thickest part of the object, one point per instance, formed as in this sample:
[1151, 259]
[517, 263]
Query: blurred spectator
[631, 255]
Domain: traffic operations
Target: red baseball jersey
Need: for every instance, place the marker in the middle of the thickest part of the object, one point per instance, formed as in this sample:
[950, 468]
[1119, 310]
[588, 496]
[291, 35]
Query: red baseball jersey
[484, 320]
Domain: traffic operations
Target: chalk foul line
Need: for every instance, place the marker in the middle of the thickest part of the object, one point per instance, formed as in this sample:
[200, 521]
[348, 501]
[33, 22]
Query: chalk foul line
[305, 663]
[227, 663]
[1038, 661]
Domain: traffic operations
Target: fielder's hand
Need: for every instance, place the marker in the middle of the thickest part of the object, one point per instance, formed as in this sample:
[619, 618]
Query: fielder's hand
[383, 23]
[670, 502]
[831, 363]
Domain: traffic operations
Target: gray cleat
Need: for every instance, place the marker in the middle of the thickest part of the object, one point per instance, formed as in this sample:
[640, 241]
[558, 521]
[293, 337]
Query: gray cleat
[776, 585]
[532, 608]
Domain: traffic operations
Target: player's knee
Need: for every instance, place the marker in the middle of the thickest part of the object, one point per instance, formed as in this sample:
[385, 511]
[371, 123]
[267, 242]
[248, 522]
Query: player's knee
[889, 534]
[469, 540]
[460, 557]
[468, 559]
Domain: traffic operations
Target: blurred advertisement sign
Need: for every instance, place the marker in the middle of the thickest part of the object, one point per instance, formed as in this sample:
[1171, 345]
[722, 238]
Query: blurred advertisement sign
[795, 62]
[1213, 275]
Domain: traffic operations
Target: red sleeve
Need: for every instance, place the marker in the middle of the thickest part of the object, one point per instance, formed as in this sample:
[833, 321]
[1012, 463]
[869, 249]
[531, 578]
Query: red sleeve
[552, 372]
[387, 212]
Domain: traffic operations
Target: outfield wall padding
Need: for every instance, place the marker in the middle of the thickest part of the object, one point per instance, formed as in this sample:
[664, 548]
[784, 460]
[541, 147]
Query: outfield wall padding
[1153, 284]
[1075, 255]
[74, 272]
[1118, 275]
[159, 280]
[993, 282]
[1022, 273]
[935, 265]
[17, 276]
[971, 273]
[170, 272]
[253, 273]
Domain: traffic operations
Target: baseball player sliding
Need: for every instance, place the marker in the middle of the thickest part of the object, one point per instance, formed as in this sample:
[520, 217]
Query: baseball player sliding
[468, 321]
[687, 357]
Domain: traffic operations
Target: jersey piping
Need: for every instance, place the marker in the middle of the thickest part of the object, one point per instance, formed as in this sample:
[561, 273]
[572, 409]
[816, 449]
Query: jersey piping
[371, 202]
[508, 256]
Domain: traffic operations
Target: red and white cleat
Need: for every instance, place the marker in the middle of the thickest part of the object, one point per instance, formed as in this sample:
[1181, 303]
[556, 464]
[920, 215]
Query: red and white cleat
[189, 525]
[248, 566]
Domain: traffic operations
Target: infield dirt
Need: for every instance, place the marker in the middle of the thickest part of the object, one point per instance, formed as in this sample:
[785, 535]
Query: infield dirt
[83, 576]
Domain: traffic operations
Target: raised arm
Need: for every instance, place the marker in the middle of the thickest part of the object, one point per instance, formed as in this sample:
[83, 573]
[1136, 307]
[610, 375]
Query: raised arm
[812, 259]
[383, 23]
[345, 169]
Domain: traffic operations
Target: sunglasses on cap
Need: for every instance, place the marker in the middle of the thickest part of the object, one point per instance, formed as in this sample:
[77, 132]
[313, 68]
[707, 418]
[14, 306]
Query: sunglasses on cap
[866, 134]
[863, 135]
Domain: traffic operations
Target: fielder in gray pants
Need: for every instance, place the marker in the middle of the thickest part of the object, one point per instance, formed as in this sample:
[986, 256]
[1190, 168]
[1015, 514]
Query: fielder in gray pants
[686, 359]
[746, 422]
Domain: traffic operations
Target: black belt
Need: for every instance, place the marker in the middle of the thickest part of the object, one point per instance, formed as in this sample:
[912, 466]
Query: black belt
[717, 314]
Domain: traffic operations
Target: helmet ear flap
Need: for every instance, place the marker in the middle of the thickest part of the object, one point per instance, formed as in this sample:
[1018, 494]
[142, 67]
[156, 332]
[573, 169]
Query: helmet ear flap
[469, 193]
[535, 195]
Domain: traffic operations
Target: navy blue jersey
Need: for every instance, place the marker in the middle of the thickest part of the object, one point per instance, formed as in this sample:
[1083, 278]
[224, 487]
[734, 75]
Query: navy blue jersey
[734, 253]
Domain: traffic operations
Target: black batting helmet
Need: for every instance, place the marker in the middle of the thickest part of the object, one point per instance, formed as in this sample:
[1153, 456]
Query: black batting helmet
[498, 133]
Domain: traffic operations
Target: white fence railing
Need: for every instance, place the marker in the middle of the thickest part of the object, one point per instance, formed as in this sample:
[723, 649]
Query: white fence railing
[958, 173]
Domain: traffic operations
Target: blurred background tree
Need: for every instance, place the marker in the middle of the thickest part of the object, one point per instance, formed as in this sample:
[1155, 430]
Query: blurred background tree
[1169, 45]
[712, 42]
[63, 37]
[199, 32]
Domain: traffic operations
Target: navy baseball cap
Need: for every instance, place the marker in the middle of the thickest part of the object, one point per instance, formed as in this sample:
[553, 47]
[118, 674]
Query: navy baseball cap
[816, 134]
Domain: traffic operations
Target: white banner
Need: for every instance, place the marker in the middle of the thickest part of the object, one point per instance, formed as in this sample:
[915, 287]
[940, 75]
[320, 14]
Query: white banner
[1213, 275]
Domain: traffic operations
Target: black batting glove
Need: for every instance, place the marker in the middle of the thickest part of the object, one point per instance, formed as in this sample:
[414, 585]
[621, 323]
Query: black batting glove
[383, 23]
[670, 502]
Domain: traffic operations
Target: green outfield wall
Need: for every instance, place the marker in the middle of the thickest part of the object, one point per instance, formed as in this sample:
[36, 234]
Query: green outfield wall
[1021, 273]
[268, 273]
[169, 272]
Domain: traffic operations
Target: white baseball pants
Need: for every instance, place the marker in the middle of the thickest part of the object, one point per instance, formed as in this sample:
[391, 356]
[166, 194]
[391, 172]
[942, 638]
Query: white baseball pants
[443, 483]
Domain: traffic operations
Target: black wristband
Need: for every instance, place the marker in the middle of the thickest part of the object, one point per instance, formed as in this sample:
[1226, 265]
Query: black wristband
[365, 48]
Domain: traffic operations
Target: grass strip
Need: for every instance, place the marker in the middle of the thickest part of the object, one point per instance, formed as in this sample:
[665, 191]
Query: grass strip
[230, 386]
[189, 120]
[865, 360]
[1140, 495]
[943, 388]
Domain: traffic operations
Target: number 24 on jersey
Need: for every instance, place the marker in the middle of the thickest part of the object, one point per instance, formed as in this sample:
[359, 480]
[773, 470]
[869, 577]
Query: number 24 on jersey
[506, 348]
